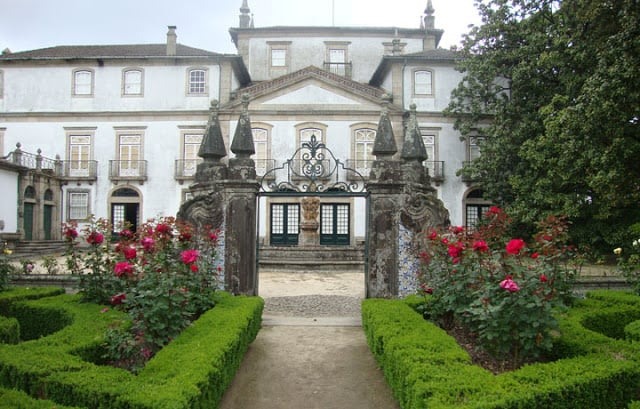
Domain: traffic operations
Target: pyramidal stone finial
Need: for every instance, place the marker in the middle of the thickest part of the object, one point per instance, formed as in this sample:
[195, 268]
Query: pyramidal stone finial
[212, 148]
[385, 142]
[242, 144]
[413, 148]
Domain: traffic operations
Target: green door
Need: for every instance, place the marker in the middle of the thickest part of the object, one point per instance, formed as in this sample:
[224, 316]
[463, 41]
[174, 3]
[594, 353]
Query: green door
[47, 221]
[28, 221]
[285, 224]
[334, 224]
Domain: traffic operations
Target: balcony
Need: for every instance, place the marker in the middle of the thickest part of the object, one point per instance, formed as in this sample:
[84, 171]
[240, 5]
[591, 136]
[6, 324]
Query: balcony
[265, 165]
[436, 170]
[338, 68]
[79, 170]
[128, 170]
[185, 169]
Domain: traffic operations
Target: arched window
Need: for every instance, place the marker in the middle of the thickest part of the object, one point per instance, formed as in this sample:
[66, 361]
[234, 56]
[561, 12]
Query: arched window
[132, 82]
[197, 81]
[48, 195]
[29, 192]
[83, 82]
[475, 207]
[364, 138]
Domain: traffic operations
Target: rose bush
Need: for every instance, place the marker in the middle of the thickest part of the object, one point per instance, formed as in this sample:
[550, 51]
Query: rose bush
[628, 258]
[501, 290]
[164, 276]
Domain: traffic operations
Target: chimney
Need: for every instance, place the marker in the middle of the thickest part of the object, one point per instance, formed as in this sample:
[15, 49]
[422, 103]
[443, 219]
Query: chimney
[172, 38]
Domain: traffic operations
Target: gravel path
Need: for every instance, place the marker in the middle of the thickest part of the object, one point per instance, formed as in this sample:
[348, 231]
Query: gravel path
[314, 306]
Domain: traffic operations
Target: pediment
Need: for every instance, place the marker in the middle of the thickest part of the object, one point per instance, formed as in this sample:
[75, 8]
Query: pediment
[312, 89]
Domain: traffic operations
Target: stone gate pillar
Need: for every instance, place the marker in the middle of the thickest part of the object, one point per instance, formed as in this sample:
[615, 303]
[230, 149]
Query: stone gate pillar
[384, 189]
[224, 197]
[402, 205]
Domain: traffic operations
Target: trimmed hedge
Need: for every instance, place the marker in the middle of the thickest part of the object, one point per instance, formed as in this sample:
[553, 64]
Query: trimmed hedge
[193, 371]
[426, 368]
[12, 295]
[13, 399]
[9, 330]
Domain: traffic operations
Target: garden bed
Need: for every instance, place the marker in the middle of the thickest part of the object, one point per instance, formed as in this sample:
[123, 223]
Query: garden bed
[61, 344]
[593, 365]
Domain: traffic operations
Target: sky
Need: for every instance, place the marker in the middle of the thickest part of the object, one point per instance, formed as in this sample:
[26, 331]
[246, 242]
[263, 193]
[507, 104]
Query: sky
[33, 24]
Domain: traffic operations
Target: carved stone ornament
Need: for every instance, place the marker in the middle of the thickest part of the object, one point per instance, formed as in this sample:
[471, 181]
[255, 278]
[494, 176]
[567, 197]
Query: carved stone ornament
[422, 211]
[310, 206]
[204, 210]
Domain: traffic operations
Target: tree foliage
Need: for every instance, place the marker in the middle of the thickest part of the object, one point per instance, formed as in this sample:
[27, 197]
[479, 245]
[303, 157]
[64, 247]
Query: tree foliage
[554, 88]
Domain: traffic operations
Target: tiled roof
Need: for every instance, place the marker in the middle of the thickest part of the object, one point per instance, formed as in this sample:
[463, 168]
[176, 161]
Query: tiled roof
[107, 51]
[437, 54]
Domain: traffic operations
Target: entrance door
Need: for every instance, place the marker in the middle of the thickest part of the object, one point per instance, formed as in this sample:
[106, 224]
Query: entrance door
[28, 221]
[334, 224]
[285, 224]
[47, 221]
[125, 214]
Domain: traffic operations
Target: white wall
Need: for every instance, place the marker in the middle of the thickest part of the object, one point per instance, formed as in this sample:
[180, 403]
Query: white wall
[9, 202]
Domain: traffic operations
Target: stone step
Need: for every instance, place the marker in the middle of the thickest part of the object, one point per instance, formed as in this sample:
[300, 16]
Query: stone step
[39, 247]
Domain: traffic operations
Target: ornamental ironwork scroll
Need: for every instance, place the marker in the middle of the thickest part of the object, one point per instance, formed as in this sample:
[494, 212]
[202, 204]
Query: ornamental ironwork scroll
[313, 168]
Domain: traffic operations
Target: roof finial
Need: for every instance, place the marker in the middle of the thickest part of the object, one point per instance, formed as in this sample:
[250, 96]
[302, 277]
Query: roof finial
[384, 145]
[245, 18]
[212, 148]
[242, 144]
[429, 19]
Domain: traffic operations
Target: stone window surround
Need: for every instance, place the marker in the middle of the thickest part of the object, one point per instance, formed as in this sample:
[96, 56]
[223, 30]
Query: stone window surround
[124, 92]
[188, 82]
[79, 131]
[430, 94]
[71, 191]
[74, 85]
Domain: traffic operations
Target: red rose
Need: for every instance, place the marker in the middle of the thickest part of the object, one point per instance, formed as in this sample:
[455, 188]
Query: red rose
[126, 234]
[494, 210]
[193, 268]
[71, 233]
[480, 245]
[433, 235]
[189, 256]
[118, 299]
[95, 238]
[123, 268]
[515, 246]
[455, 250]
[129, 252]
[535, 255]
[148, 243]
[543, 278]
[163, 229]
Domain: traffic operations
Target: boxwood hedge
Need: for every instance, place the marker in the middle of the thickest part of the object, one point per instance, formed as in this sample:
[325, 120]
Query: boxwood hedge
[55, 361]
[593, 366]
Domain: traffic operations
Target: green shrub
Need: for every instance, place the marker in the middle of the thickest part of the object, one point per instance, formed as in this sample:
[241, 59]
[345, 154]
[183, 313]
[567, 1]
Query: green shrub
[13, 399]
[428, 369]
[193, 371]
[9, 330]
[12, 295]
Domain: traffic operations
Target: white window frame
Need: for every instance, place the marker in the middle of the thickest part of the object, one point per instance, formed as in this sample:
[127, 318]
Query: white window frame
[197, 86]
[279, 56]
[130, 86]
[84, 207]
[130, 169]
[80, 165]
[423, 88]
[262, 141]
[84, 88]
[364, 136]
[191, 141]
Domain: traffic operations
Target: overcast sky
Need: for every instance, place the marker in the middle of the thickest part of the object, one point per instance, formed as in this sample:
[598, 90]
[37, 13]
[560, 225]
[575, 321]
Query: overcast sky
[32, 24]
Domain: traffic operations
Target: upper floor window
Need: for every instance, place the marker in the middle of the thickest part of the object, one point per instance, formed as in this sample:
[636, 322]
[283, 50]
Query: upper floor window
[79, 152]
[423, 82]
[83, 82]
[309, 134]
[197, 79]
[278, 57]
[132, 82]
[337, 58]
[473, 147]
[364, 138]
[1, 83]
[190, 147]
[262, 155]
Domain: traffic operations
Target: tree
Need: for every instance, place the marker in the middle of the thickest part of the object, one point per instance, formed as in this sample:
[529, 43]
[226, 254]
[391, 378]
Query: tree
[554, 89]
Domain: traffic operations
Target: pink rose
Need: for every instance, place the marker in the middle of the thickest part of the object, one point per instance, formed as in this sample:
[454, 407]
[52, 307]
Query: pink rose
[129, 253]
[189, 256]
[480, 245]
[95, 238]
[509, 285]
[123, 268]
[148, 243]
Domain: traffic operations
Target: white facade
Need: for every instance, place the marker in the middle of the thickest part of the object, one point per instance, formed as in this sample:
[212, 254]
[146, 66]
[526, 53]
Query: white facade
[128, 117]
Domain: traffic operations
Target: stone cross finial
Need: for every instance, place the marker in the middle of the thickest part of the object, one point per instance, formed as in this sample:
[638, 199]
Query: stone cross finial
[385, 142]
[242, 144]
[212, 148]
[413, 148]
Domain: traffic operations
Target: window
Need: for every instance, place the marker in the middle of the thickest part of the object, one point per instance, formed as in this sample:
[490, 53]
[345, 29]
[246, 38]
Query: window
[475, 208]
[79, 154]
[473, 150]
[132, 82]
[423, 82]
[429, 139]
[278, 58]
[190, 149]
[337, 57]
[197, 81]
[2, 141]
[78, 205]
[334, 223]
[285, 224]
[129, 154]
[364, 139]
[261, 143]
[82, 82]
[1, 83]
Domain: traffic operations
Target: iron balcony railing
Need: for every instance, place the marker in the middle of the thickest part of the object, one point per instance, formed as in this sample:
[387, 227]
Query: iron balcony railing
[339, 68]
[186, 168]
[128, 170]
[79, 169]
